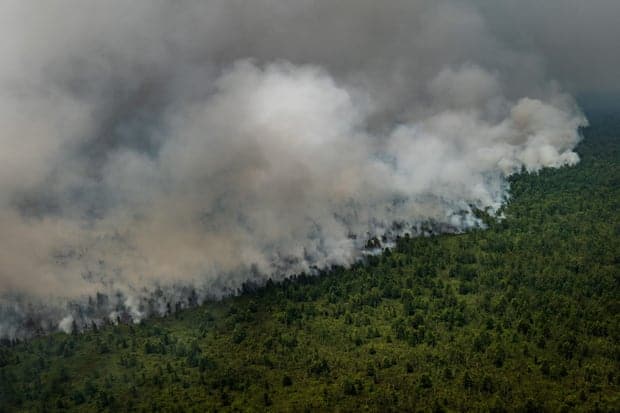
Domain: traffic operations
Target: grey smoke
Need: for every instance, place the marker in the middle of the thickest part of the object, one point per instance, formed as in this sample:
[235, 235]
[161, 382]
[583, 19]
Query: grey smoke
[161, 152]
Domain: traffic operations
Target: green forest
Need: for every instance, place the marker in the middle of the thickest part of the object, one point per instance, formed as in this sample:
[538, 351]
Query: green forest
[521, 316]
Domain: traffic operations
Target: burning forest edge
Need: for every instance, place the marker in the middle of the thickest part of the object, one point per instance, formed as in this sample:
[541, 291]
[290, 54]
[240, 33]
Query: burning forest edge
[444, 322]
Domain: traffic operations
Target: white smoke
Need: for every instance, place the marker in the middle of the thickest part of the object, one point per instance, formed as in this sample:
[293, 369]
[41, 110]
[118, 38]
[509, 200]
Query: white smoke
[152, 155]
[66, 324]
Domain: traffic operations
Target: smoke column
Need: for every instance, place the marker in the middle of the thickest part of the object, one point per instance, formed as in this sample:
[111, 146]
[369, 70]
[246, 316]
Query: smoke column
[161, 152]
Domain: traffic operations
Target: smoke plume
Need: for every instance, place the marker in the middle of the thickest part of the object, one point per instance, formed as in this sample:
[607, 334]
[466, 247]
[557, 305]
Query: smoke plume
[155, 153]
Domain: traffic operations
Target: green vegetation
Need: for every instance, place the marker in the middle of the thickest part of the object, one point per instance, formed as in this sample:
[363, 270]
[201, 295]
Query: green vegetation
[522, 316]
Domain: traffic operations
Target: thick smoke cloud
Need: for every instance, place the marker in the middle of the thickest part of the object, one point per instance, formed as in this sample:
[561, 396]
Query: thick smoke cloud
[577, 39]
[154, 153]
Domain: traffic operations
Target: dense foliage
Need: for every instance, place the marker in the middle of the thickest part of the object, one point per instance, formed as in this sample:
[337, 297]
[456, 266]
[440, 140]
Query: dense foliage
[522, 316]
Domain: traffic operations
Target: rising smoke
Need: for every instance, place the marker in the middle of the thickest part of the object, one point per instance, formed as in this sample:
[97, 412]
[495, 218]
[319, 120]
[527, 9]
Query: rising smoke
[154, 153]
